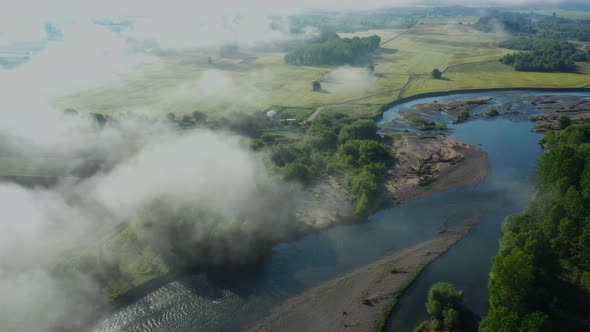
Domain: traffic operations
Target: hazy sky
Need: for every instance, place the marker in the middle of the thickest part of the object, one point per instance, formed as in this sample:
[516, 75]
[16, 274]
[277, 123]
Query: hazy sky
[185, 7]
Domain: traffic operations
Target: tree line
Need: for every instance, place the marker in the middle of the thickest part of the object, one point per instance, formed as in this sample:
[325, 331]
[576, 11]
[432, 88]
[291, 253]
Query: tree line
[529, 23]
[543, 54]
[333, 50]
[540, 278]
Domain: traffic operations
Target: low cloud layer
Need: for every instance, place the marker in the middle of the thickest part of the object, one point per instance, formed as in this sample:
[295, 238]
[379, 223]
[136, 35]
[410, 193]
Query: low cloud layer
[130, 169]
[350, 79]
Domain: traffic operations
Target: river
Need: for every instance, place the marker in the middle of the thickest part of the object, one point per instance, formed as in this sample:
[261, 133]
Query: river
[231, 301]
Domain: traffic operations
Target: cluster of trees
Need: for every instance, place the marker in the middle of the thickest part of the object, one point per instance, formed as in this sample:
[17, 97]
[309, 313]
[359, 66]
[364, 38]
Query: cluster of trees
[188, 120]
[548, 26]
[543, 54]
[333, 50]
[540, 278]
[347, 148]
[446, 309]
[506, 21]
[564, 28]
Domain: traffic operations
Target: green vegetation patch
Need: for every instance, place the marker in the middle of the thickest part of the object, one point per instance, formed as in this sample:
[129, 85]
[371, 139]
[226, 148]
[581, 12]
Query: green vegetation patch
[297, 113]
[334, 50]
[543, 54]
[537, 281]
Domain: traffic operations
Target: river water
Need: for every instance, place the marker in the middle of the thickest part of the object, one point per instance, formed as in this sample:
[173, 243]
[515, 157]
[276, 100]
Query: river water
[229, 302]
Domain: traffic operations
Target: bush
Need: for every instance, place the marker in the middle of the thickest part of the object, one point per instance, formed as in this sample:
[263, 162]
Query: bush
[436, 74]
[267, 138]
[564, 122]
[442, 297]
[363, 206]
[360, 129]
[316, 86]
[441, 126]
[463, 116]
[422, 123]
[284, 154]
[297, 172]
[492, 111]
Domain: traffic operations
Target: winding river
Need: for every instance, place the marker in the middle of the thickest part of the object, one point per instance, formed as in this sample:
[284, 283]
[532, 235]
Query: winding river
[228, 302]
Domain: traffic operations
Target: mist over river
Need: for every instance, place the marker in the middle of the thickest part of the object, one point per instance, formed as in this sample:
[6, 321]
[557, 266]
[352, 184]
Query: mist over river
[232, 301]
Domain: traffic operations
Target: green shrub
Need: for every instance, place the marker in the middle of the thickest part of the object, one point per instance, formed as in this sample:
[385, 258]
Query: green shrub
[564, 122]
[360, 130]
[441, 126]
[297, 172]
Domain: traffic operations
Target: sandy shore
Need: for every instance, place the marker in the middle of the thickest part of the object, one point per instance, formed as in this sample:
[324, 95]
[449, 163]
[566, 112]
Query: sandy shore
[431, 163]
[356, 301]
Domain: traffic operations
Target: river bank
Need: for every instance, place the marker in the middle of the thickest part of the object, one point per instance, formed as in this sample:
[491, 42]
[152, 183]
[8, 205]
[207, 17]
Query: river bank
[356, 300]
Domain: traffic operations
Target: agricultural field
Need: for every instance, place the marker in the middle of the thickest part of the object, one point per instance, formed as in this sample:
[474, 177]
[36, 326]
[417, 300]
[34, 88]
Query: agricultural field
[261, 81]
[186, 83]
[494, 74]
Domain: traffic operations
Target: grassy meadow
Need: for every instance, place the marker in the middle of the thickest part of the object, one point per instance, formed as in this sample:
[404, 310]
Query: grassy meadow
[185, 83]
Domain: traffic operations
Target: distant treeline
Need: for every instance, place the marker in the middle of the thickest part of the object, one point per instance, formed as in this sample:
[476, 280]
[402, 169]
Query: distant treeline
[351, 21]
[540, 278]
[544, 54]
[547, 26]
[505, 21]
[333, 50]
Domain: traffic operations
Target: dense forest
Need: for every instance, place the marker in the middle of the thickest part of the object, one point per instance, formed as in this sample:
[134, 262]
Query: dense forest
[544, 38]
[333, 50]
[544, 54]
[540, 278]
[548, 26]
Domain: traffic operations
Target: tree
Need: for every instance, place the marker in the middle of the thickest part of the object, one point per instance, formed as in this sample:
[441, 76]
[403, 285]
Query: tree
[316, 86]
[186, 121]
[436, 74]
[70, 111]
[297, 172]
[360, 129]
[443, 297]
[100, 119]
[171, 116]
[199, 116]
[564, 121]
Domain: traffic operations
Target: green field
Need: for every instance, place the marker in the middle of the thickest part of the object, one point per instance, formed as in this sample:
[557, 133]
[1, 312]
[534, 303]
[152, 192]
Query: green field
[263, 80]
[494, 74]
